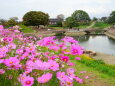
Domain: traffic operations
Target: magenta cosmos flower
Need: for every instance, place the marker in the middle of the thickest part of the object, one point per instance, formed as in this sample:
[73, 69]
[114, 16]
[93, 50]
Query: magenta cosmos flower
[45, 78]
[76, 50]
[65, 58]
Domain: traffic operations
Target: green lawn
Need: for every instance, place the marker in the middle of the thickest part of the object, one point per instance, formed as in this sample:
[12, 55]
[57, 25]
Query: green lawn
[25, 29]
[96, 78]
[101, 25]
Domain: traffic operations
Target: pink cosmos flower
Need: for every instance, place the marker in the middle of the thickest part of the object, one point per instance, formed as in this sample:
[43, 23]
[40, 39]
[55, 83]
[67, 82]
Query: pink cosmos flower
[53, 65]
[8, 39]
[69, 39]
[56, 48]
[83, 71]
[64, 79]
[4, 50]
[19, 51]
[46, 41]
[2, 55]
[26, 80]
[1, 61]
[79, 80]
[71, 64]
[1, 27]
[70, 72]
[30, 49]
[68, 81]
[78, 58]
[42, 65]
[86, 77]
[23, 55]
[44, 78]
[60, 75]
[2, 71]
[12, 46]
[12, 62]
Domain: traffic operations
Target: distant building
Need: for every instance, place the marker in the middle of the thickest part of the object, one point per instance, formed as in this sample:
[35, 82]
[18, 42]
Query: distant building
[53, 21]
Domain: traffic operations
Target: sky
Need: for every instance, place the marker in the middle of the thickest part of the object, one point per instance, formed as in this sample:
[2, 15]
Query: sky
[95, 8]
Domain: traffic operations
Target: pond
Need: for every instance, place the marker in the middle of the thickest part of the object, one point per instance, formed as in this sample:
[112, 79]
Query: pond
[96, 43]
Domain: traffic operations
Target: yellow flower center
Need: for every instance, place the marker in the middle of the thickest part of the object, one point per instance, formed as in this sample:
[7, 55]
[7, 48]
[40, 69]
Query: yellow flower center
[11, 62]
[28, 82]
[68, 83]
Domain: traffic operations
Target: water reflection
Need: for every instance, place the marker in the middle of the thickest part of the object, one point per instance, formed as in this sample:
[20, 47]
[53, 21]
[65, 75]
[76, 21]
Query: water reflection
[82, 38]
[111, 40]
[100, 43]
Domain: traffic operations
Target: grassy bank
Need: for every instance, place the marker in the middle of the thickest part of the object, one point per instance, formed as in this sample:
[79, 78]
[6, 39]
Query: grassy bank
[101, 25]
[25, 29]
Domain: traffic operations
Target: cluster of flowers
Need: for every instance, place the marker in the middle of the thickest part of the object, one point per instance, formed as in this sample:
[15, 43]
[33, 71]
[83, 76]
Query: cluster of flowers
[39, 60]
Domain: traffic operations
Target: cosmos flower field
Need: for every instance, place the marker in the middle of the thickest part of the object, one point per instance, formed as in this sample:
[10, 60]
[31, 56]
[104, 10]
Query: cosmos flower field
[26, 61]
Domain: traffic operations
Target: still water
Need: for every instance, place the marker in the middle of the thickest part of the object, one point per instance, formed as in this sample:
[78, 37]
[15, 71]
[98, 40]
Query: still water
[96, 43]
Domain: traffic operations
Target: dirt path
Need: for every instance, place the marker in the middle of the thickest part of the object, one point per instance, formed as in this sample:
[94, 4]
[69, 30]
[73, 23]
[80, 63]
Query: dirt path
[109, 59]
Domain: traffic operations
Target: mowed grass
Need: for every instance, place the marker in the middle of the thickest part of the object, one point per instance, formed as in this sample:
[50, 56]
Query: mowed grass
[101, 25]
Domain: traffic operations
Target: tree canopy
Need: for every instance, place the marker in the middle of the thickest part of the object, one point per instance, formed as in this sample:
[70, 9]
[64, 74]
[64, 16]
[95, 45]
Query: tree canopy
[35, 18]
[81, 16]
[111, 18]
[70, 22]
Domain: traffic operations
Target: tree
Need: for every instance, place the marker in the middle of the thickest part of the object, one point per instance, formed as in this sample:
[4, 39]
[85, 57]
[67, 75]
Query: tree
[103, 19]
[59, 23]
[14, 18]
[11, 22]
[35, 18]
[111, 18]
[81, 16]
[3, 22]
[71, 22]
[95, 19]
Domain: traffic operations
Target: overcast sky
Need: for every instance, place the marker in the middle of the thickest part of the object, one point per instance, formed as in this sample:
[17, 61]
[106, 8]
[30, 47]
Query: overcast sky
[95, 8]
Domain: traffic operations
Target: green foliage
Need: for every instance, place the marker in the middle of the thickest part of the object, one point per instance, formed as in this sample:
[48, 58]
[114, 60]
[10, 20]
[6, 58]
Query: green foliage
[111, 19]
[59, 23]
[70, 22]
[26, 29]
[100, 66]
[11, 23]
[83, 26]
[35, 18]
[101, 25]
[95, 19]
[81, 16]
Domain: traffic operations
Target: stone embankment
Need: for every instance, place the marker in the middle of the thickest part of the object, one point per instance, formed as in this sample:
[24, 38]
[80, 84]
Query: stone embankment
[111, 33]
[108, 59]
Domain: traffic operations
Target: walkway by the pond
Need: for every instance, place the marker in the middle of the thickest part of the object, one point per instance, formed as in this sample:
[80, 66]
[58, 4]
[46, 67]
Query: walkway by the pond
[108, 59]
